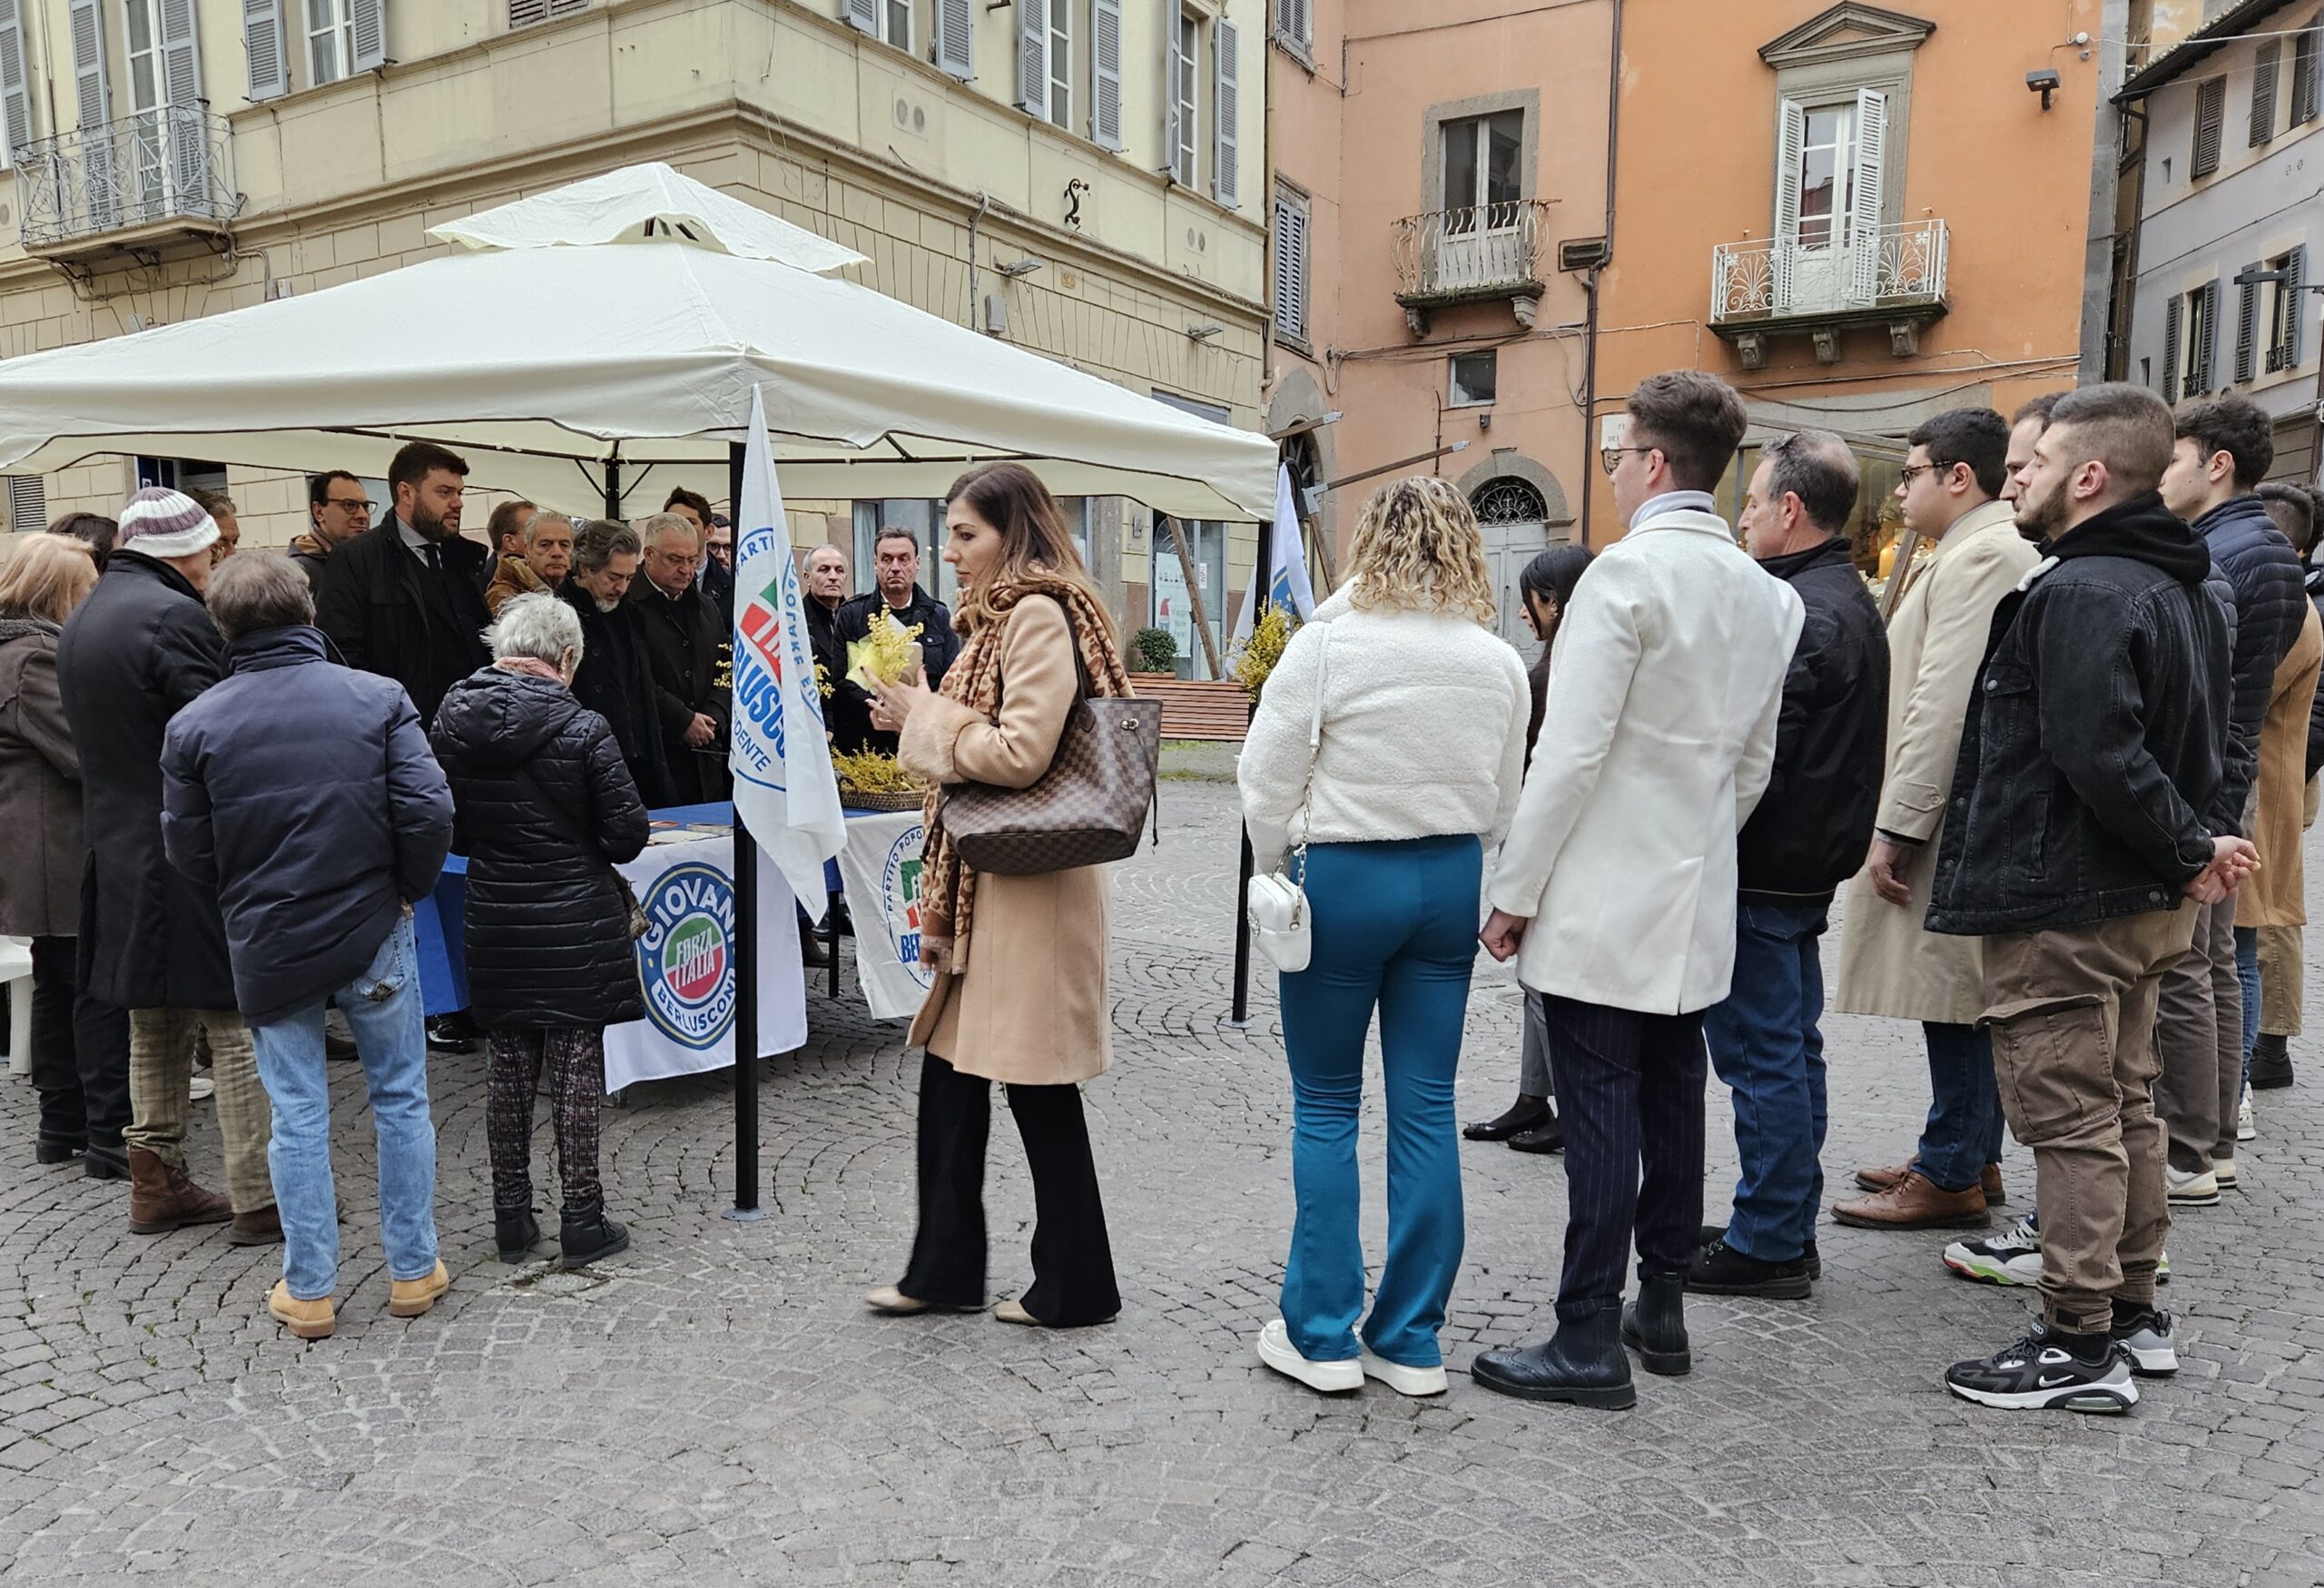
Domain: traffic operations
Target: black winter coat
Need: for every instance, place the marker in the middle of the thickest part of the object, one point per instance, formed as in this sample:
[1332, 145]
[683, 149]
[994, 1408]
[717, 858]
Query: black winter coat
[138, 651]
[940, 644]
[302, 792]
[548, 939]
[2094, 735]
[2270, 594]
[1813, 826]
[690, 652]
[370, 604]
[616, 682]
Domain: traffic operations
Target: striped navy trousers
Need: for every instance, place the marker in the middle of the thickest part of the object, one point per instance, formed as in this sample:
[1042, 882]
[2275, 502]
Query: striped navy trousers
[1629, 1090]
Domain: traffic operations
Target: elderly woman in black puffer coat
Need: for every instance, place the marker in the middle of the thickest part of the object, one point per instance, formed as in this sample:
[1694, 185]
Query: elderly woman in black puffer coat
[545, 809]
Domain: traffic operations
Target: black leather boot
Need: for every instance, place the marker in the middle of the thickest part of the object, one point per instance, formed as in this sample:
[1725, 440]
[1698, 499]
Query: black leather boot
[589, 1235]
[1655, 1326]
[1583, 1363]
[2270, 1063]
[516, 1232]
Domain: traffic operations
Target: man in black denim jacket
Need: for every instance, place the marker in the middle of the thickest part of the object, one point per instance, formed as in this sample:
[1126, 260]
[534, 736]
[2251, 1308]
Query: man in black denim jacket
[2077, 833]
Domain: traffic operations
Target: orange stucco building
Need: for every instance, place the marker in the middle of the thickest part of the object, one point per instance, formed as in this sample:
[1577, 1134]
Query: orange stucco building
[1858, 214]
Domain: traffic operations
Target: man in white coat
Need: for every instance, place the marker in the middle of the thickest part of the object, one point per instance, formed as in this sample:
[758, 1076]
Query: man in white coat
[1616, 891]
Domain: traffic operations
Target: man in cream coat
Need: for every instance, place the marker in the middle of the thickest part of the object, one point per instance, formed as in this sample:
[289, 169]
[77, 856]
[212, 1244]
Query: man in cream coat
[1616, 891]
[1891, 964]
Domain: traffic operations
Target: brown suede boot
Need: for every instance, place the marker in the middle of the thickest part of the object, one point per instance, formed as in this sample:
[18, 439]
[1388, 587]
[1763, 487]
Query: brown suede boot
[263, 1228]
[1886, 1180]
[1916, 1202]
[161, 1198]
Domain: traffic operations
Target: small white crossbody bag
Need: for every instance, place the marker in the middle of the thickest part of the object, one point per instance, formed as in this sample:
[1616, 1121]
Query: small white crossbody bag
[1277, 902]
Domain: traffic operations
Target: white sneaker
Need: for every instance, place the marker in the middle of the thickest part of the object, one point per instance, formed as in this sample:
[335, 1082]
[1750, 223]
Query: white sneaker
[1277, 1352]
[2183, 1190]
[2247, 1129]
[1403, 1380]
[2223, 1171]
[201, 1088]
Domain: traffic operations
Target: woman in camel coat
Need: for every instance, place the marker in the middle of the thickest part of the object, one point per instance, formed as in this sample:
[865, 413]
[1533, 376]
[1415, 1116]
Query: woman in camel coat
[1020, 960]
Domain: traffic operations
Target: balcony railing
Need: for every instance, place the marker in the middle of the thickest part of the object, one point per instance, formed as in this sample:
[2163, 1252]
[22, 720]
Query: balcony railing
[1903, 266]
[1487, 251]
[144, 171]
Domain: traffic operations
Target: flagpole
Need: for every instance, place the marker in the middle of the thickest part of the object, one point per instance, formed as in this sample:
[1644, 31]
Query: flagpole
[1239, 1017]
[746, 1209]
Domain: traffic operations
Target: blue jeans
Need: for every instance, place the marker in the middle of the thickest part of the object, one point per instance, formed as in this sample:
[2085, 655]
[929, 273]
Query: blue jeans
[1964, 1124]
[383, 1009]
[1765, 1044]
[1396, 927]
[2247, 972]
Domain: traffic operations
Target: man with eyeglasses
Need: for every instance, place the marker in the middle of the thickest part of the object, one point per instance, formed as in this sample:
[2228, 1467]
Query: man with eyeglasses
[338, 509]
[1891, 964]
[691, 653]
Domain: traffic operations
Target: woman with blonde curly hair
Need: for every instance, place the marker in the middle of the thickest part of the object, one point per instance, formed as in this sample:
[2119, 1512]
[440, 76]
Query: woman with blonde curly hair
[1385, 754]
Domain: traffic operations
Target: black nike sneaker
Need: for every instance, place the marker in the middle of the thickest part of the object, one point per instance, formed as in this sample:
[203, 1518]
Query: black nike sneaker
[2037, 1372]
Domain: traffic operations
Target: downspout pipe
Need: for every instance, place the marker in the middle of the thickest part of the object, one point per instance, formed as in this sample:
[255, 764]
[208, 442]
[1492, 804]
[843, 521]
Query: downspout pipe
[1591, 286]
[984, 208]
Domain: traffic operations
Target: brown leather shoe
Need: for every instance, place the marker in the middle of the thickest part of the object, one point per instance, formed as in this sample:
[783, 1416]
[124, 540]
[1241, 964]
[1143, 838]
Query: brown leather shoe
[1915, 1202]
[1885, 1180]
[162, 1199]
[263, 1228]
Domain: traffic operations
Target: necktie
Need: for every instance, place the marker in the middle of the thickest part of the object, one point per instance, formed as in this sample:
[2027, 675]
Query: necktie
[435, 557]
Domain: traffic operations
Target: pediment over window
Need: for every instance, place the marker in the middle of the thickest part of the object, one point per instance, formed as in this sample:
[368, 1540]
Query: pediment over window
[1846, 32]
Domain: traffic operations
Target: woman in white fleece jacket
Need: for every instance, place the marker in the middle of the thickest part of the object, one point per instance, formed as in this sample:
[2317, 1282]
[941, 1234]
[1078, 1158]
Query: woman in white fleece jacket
[1388, 747]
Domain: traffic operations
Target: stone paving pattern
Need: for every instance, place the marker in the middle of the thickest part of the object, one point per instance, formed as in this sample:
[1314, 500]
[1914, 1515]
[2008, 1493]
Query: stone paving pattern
[718, 1407]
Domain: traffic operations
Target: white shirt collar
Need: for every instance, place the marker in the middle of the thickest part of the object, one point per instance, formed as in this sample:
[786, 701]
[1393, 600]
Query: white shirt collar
[1673, 501]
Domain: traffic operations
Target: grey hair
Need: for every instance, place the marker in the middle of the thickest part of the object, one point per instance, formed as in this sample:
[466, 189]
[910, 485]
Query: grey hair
[1818, 467]
[535, 625]
[548, 515]
[653, 526]
[260, 590]
[602, 541]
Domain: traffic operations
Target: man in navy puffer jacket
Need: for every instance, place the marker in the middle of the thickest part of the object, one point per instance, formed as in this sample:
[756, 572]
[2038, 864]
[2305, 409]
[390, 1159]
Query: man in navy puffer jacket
[2223, 451]
[304, 792]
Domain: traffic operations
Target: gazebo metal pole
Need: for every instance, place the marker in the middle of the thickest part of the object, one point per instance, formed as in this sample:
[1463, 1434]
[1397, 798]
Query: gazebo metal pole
[1240, 1017]
[746, 947]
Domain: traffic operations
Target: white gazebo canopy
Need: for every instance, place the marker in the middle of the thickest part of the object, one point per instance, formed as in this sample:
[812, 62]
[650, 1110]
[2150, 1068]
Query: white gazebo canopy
[625, 318]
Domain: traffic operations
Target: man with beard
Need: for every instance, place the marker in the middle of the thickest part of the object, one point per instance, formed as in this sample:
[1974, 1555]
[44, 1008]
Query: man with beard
[406, 600]
[616, 680]
[2089, 761]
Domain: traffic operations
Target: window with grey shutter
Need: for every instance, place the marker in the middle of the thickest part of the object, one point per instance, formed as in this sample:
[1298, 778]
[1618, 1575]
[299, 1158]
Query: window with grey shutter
[863, 16]
[368, 20]
[263, 43]
[2284, 331]
[1291, 266]
[93, 93]
[1292, 24]
[2171, 349]
[15, 91]
[2247, 330]
[27, 504]
[956, 42]
[1106, 73]
[1226, 116]
[2267, 66]
[2202, 339]
[1033, 57]
[524, 13]
[2308, 71]
[2211, 121]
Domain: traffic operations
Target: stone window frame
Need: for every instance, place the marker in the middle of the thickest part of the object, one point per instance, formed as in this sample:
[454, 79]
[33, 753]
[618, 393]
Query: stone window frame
[1527, 101]
[1817, 76]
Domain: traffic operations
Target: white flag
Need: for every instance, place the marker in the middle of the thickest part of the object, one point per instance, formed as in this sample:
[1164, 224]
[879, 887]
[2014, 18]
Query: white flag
[1283, 583]
[784, 786]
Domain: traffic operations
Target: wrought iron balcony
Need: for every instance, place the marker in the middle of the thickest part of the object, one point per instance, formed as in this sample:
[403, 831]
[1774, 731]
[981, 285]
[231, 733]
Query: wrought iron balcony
[1895, 278]
[127, 183]
[1480, 254]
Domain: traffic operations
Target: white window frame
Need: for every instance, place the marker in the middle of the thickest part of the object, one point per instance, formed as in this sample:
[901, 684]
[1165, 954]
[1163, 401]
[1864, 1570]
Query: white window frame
[337, 31]
[891, 15]
[1186, 153]
[1453, 397]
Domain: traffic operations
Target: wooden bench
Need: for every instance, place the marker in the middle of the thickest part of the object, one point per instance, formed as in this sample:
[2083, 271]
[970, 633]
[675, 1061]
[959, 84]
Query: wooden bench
[1196, 711]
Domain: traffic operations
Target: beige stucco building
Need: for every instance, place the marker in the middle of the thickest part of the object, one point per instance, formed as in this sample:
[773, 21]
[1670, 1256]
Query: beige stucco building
[1086, 178]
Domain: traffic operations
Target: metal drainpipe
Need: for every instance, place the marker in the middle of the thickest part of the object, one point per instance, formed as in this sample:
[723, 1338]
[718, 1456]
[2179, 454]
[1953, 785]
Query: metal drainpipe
[1590, 355]
[984, 208]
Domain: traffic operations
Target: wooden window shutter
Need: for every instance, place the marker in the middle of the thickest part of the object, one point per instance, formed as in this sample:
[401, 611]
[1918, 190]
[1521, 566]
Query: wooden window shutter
[863, 16]
[2307, 73]
[1033, 57]
[2247, 331]
[369, 19]
[2170, 333]
[15, 87]
[1290, 267]
[1226, 159]
[1106, 73]
[2295, 267]
[2211, 121]
[263, 42]
[93, 93]
[956, 41]
[2265, 68]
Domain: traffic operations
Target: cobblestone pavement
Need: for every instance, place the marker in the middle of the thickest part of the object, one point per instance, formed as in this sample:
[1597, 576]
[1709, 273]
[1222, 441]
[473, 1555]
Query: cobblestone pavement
[717, 1406]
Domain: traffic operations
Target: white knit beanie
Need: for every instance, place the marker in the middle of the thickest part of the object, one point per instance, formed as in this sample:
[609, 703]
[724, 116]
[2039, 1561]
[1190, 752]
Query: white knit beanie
[161, 522]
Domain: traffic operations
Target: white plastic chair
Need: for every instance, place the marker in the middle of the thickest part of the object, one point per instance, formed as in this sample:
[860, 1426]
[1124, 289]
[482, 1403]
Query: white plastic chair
[16, 970]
